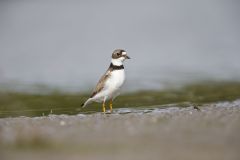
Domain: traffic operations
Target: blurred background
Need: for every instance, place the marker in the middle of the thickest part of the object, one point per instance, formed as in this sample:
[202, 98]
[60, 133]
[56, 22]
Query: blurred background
[68, 44]
[182, 95]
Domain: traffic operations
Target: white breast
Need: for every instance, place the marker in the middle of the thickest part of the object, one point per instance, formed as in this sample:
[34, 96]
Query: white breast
[115, 81]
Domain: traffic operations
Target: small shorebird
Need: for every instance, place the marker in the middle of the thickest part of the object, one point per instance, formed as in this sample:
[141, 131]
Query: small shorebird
[110, 83]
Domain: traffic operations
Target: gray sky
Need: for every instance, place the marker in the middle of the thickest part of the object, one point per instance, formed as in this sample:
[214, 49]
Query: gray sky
[69, 43]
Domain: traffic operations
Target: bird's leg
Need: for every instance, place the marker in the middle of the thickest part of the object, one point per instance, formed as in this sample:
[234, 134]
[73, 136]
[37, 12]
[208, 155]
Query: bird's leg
[103, 107]
[111, 105]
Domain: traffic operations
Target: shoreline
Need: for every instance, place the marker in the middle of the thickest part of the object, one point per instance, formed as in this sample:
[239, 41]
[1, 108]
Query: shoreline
[25, 104]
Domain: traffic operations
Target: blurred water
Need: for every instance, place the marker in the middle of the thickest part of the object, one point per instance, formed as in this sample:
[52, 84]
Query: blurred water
[68, 44]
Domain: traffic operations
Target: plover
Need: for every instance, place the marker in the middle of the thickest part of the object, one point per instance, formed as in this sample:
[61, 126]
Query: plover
[108, 86]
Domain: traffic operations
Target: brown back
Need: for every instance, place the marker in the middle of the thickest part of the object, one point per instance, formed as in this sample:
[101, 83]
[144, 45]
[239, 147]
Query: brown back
[101, 82]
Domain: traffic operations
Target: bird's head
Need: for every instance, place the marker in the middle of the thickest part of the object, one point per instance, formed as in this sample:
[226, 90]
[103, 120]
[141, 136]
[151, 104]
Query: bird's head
[119, 56]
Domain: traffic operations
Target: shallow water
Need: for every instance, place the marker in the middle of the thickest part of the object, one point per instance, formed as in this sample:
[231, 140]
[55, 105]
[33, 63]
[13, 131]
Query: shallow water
[129, 133]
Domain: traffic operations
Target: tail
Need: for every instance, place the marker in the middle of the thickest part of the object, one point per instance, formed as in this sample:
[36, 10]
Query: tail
[86, 103]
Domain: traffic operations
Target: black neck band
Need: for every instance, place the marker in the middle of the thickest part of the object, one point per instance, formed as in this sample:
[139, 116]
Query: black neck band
[116, 67]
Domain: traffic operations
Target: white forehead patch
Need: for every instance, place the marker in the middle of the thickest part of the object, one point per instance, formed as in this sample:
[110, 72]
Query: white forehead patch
[124, 53]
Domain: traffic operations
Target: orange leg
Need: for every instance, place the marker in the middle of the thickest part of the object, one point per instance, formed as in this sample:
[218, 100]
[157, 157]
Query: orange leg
[111, 105]
[103, 107]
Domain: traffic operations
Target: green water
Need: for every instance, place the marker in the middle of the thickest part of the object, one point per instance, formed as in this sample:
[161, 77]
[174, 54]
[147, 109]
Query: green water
[25, 104]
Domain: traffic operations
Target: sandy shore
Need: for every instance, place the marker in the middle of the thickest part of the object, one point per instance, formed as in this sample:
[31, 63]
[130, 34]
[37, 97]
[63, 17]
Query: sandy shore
[152, 133]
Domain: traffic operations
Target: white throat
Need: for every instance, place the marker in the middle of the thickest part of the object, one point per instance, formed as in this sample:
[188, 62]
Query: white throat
[117, 62]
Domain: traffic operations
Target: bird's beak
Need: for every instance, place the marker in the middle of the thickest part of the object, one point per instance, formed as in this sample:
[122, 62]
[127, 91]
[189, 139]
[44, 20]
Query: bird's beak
[127, 57]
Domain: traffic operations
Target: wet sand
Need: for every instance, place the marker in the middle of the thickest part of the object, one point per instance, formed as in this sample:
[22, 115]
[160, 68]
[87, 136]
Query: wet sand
[153, 133]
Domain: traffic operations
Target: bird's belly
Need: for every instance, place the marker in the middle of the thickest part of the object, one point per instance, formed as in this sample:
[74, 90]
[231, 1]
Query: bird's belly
[112, 86]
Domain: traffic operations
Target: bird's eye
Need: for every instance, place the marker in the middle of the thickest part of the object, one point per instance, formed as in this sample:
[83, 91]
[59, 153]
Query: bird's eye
[118, 54]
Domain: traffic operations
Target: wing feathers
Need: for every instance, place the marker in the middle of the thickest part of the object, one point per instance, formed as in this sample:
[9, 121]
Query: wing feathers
[100, 86]
[101, 83]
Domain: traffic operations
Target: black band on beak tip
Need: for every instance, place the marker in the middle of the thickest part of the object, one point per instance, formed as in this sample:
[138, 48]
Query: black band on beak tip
[128, 57]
